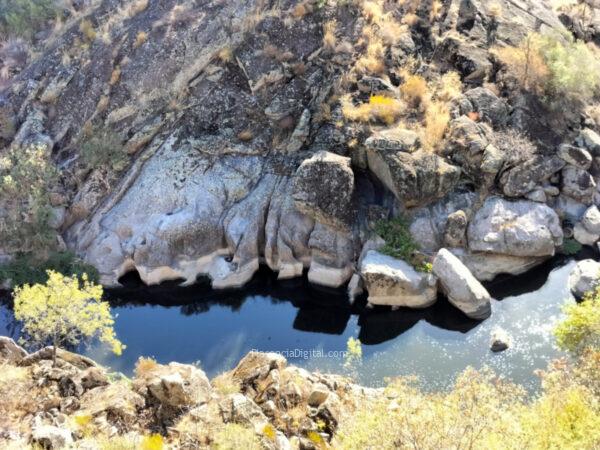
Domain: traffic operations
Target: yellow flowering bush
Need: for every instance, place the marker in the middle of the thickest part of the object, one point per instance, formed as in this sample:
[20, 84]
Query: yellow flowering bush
[65, 311]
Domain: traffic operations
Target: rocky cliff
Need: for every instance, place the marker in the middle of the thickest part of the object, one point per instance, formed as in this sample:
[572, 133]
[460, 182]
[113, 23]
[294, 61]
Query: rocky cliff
[208, 137]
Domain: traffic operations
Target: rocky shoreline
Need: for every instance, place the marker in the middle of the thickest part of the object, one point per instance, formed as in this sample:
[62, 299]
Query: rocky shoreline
[283, 405]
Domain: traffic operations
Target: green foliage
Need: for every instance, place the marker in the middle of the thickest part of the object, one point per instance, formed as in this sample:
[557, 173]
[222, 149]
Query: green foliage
[65, 310]
[399, 242]
[26, 176]
[481, 412]
[555, 66]
[571, 247]
[25, 17]
[353, 354]
[104, 149]
[580, 330]
[574, 68]
[26, 269]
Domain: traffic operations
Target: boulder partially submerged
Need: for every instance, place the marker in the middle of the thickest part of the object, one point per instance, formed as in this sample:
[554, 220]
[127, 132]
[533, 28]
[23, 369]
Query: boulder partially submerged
[393, 282]
[461, 287]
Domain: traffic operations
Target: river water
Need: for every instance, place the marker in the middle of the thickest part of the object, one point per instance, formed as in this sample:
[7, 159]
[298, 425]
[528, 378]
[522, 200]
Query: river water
[312, 327]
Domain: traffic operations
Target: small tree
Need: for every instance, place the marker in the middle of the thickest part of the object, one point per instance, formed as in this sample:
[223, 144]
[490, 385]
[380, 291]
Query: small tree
[65, 311]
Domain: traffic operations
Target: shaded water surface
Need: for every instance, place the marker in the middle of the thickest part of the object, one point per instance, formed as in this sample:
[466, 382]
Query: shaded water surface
[215, 329]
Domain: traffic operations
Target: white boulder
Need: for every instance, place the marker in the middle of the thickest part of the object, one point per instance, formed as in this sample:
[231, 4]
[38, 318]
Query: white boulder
[394, 282]
[461, 287]
[516, 228]
[584, 277]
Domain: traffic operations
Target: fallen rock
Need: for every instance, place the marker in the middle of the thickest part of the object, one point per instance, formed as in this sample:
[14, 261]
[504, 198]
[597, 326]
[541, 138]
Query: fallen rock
[10, 352]
[414, 178]
[51, 437]
[576, 156]
[489, 106]
[516, 228]
[578, 184]
[115, 402]
[461, 287]
[500, 340]
[524, 178]
[393, 282]
[179, 385]
[240, 409]
[318, 395]
[395, 140]
[456, 229]
[584, 277]
[257, 365]
[590, 140]
[323, 189]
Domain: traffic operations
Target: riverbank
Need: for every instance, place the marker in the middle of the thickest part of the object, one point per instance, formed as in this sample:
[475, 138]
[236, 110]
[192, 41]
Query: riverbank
[266, 403]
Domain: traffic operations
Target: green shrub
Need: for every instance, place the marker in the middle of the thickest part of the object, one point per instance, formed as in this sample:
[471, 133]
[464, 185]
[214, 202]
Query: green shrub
[571, 247]
[580, 330]
[26, 176]
[554, 66]
[104, 149]
[25, 17]
[25, 269]
[399, 243]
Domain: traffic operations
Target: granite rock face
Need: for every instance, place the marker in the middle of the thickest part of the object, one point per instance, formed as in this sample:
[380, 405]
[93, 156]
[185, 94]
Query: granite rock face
[414, 178]
[515, 228]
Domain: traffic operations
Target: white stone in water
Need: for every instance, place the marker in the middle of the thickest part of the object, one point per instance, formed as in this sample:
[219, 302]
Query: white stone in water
[393, 282]
[500, 340]
[461, 287]
[584, 277]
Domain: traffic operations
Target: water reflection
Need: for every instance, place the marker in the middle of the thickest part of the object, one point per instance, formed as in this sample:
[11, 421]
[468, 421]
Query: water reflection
[195, 324]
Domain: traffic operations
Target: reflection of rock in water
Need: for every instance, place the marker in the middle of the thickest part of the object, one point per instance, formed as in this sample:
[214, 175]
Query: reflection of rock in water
[330, 321]
[444, 315]
[320, 310]
[380, 325]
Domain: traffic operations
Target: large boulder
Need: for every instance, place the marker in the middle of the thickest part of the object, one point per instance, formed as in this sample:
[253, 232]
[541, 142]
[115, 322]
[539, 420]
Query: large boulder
[177, 385]
[578, 184]
[256, 366]
[323, 189]
[51, 437]
[516, 228]
[584, 277]
[461, 287]
[393, 282]
[414, 178]
[523, 178]
[489, 107]
[487, 266]
[10, 352]
[430, 226]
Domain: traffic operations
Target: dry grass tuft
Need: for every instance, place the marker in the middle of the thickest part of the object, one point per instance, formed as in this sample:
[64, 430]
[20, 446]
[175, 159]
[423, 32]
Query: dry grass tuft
[414, 90]
[140, 39]
[373, 62]
[115, 76]
[137, 7]
[225, 55]
[379, 109]
[437, 117]
[86, 27]
[329, 38]
[145, 366]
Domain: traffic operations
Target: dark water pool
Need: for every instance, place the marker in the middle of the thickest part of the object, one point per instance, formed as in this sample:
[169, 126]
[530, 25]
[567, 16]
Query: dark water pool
[215, 329]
